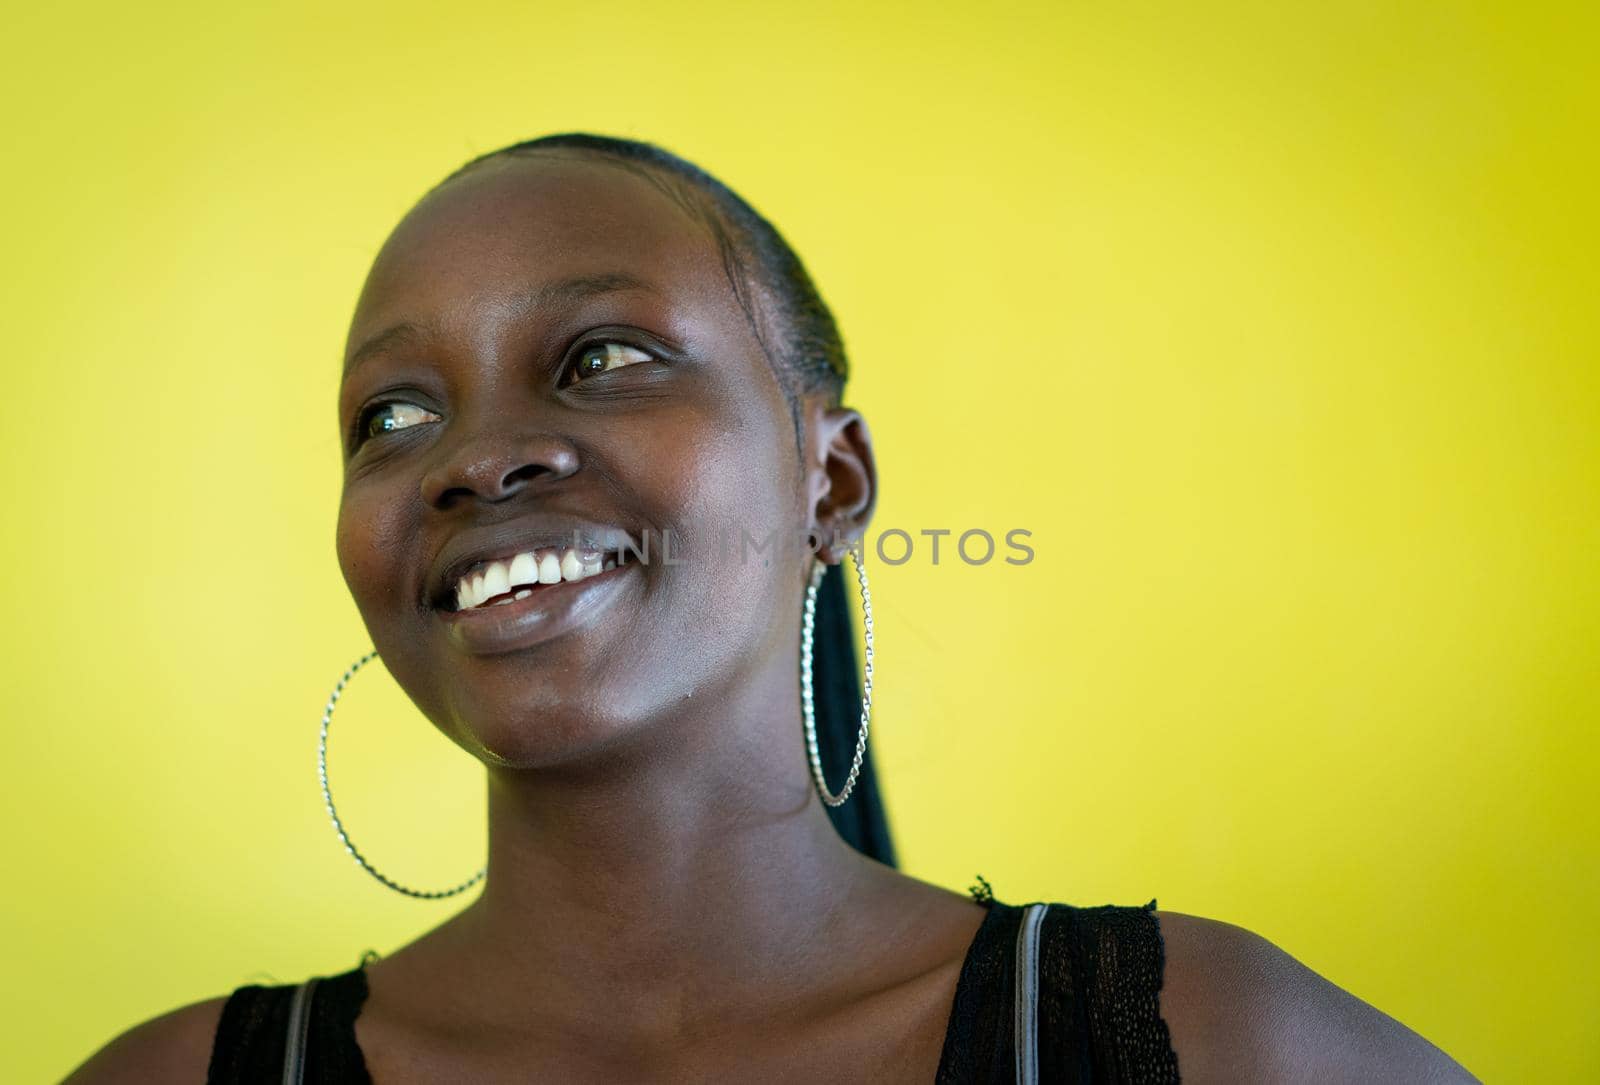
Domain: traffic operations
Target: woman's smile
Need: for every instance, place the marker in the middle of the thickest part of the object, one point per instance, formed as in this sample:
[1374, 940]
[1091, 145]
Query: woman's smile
[524, 581]
[527, 614]
[476, 568]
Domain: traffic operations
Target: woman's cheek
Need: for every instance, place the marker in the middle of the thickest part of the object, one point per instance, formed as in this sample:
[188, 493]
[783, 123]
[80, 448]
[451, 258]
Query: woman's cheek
[372, 541]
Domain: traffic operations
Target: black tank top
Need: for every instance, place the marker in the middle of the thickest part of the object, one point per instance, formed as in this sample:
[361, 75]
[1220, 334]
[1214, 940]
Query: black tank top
[1078, 1004]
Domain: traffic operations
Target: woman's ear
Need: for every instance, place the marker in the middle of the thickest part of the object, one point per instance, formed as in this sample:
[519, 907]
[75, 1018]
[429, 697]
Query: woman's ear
[841, 477]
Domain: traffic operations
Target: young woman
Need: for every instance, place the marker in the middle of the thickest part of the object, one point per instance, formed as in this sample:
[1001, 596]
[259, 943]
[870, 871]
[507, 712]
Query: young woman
[572, 355]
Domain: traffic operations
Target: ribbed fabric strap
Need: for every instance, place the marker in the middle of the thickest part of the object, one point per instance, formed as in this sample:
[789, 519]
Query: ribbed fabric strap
[294, 1049]
[1025, 1002]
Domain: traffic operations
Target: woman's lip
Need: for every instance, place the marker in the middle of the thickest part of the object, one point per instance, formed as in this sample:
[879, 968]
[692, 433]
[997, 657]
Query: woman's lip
[549, 611]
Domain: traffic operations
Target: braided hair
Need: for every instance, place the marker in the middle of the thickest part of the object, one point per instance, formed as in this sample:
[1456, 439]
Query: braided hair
[800, 339]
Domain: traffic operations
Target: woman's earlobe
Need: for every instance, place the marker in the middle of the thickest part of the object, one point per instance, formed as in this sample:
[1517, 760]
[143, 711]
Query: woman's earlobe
[832, 544]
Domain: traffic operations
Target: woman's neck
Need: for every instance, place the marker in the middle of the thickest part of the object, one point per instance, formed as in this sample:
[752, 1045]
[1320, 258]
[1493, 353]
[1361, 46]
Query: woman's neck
[689, 863]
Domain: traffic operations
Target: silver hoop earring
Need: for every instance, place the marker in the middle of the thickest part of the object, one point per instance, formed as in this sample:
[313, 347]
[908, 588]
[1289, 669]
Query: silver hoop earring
[338, 827]
[807, 702]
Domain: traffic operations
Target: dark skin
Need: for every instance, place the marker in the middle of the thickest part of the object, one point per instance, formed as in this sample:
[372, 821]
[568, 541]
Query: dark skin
[666, 898]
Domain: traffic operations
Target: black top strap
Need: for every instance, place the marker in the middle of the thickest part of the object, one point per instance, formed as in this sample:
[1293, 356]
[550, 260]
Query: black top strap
[1103, 968]
[1098, 1012]
[251, 1038]
[978, 1045]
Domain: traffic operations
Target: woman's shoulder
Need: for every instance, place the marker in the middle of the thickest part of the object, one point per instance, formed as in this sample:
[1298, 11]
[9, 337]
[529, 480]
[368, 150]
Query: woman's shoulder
[1239, 1007]
[170, 1047]
[237, 1036]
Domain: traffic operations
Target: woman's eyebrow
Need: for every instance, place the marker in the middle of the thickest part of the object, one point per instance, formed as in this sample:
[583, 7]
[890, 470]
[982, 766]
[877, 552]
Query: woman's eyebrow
[404, 332]
[562, 291]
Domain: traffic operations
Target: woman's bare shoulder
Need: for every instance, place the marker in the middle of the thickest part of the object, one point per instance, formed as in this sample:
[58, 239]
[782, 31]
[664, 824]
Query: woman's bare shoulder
[176, 1046]
[1241, 1009]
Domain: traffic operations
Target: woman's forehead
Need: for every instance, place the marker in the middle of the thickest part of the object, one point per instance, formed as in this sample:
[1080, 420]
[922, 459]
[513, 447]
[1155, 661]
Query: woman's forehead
[513, 228]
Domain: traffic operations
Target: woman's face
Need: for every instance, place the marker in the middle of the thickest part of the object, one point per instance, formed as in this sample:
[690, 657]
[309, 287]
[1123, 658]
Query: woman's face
[549, 345]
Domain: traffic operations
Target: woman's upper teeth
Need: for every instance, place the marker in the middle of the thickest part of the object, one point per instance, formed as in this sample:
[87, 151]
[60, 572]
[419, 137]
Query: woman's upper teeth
[523, 571]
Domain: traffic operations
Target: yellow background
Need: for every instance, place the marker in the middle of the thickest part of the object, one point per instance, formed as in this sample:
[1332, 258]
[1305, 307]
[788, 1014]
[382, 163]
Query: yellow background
[1274, 323]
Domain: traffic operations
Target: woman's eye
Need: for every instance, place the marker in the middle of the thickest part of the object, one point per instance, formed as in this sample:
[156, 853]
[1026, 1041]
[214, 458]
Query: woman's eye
[603, 356]
[384, 418]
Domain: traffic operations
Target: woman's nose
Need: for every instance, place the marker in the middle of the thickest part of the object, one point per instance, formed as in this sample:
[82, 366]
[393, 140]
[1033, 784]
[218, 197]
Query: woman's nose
[495, 466]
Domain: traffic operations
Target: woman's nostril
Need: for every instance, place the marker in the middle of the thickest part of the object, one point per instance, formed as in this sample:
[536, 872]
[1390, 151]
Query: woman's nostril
[450, 496]
[493, 468]
[445, 489]
[525, 473]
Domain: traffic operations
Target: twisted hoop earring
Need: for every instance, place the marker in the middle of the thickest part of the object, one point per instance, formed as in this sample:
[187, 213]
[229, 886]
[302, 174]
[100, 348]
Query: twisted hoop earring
[338, 827]
[807, 701]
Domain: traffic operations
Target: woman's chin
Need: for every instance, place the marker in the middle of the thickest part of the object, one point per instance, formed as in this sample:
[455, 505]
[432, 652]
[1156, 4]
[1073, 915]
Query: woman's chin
[536, 736]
